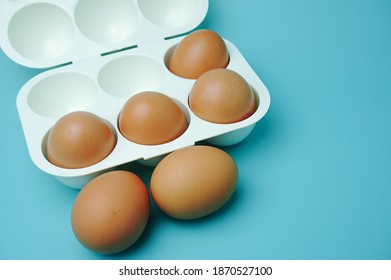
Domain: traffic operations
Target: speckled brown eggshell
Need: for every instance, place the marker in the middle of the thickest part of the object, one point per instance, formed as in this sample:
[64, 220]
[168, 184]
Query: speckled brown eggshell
[193, 182]
[151, 118]
[198, 52]
[79, 139]
[111, 212]
[222, 96]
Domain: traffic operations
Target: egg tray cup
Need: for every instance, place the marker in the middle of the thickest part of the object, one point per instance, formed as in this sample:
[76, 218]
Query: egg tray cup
[101, 84]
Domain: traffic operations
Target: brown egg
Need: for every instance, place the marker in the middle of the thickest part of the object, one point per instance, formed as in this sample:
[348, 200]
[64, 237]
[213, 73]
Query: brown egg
[193, 182]
[79, 139]
[197, 53]
[151, 118]
[222, 96]
[111, 212]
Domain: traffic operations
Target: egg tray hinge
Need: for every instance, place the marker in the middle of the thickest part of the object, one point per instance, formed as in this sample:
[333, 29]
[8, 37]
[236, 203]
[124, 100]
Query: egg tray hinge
[119, 50]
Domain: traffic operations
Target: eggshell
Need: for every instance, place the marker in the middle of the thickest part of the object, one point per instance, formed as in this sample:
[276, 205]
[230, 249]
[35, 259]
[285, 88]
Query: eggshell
[79, 139]
[151, 118]
[111, 212]
[197, 53]
[193, 182]
[222, 96]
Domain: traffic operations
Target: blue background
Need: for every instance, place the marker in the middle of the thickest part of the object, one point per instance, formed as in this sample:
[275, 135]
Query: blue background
[315, 174]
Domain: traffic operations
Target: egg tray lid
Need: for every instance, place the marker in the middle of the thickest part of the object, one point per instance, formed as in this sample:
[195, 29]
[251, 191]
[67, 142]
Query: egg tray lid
[42, 34]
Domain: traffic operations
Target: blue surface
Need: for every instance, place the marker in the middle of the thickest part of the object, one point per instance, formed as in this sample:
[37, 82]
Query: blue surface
[315, 174]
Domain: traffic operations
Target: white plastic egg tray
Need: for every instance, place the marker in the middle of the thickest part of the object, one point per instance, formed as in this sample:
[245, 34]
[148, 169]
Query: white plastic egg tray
[101, 84]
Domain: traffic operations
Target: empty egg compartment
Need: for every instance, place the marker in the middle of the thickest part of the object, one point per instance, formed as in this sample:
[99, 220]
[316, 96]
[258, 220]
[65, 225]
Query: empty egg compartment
[42, 34]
